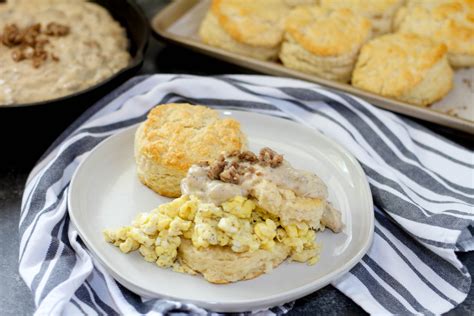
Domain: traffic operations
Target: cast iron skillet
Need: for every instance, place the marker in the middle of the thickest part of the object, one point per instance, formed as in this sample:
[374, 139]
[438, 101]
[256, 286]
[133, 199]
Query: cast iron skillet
[132, 18]
[26, 130]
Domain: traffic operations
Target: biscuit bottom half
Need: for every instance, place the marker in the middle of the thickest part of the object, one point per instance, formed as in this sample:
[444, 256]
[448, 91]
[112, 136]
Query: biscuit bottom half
[234, 241]
[221, 265]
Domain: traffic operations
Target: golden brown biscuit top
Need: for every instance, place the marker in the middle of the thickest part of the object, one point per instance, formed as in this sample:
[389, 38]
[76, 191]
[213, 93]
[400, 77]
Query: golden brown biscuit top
[372, 8]
[294, 3]
[448, 21]
[252, 22]
[327, 32]
[394, 63]
[179, 135]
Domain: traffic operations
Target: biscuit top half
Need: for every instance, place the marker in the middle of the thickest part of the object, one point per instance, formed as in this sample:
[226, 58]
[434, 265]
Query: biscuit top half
[369, 8]
[179, 135]
[258, 23]
[449, 21]
[394, 63]
[327, 32]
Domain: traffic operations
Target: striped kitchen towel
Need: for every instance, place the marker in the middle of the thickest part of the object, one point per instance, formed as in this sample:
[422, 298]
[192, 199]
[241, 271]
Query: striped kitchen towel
[422, 188]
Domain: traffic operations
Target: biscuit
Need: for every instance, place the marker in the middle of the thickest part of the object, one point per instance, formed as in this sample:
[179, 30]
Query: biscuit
[288, 207]
[380, 12]
[324, 42]
[176, 136]
[247, 27]
[221, 265]
[406, 67]
[294, 3]
[448, 21]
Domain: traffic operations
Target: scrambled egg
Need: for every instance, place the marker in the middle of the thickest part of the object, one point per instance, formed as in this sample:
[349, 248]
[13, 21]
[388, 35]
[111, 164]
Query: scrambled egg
[237, 223]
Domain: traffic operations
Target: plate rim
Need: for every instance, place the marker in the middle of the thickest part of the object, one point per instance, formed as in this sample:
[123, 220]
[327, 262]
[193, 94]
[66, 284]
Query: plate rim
[235, 306]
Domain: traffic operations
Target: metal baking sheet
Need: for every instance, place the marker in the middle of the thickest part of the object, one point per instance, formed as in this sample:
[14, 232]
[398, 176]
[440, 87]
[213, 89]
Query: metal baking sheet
[179, 22]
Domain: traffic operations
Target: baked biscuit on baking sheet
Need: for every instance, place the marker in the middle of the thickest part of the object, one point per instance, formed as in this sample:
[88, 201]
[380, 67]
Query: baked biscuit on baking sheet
[248, 27]
[294, 3]
[324, 42]
[406, 67]
[176, 136]
[380, 12]
[448, 21]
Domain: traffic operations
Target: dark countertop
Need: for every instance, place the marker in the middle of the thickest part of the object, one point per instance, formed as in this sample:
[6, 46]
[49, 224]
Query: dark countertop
[15, 297]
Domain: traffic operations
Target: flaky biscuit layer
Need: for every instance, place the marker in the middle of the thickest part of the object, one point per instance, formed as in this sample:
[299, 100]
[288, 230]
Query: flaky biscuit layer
[256, 23]
[380, 12]
[221, 265]
[447, 21]
[176, 136]
[212, 33]
[406, 67]
[324, 42]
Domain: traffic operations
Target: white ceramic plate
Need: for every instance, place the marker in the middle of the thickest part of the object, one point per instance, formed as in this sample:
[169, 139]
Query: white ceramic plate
[105, 192]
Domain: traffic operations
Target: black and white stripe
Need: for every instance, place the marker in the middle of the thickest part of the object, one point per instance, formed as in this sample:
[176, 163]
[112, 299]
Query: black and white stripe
[422, 186]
